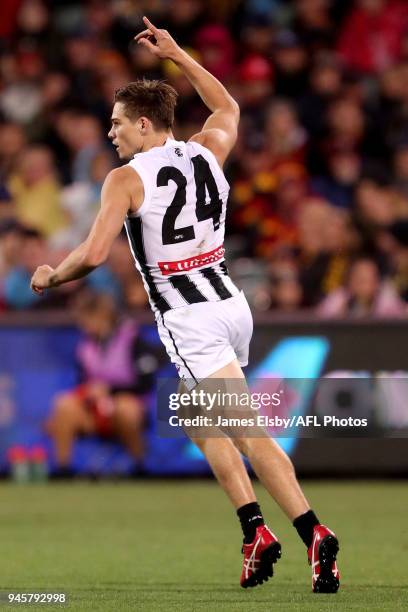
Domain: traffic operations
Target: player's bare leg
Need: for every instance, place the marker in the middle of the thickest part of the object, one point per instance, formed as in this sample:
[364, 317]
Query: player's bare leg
[276, 472]
[228, 468]
[261, 548]
[270, 463]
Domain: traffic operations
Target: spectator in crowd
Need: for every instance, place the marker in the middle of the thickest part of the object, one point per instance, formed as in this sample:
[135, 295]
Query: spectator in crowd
[117, 369]
[216, 48]
[400, 167]
[80, 201]
[13, 141]
[31, 251]
[399, 257]
[7, 209]
[285, 138]
[11, 243]
[291, 66]
[122, 267]
[371, 38]
[184, 19]
[36, 191]
[85, 141]
[313, 24]
[365, 294]
[326, 241]
[325, 85]
[345, 127]
[20, 100]
[257, 34]
[256, 75]
[378, 207]
[287, 292]
[80, 50]
[280, 226]
[338, 185]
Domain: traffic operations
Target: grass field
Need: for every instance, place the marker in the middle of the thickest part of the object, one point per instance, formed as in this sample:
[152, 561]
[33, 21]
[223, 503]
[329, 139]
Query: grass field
[176, 546]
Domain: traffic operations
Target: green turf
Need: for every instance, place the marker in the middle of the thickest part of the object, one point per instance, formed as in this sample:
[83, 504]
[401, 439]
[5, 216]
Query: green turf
[175, 546]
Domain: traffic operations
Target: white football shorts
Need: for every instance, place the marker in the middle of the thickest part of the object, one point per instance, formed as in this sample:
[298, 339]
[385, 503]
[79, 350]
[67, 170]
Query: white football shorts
[204, 337]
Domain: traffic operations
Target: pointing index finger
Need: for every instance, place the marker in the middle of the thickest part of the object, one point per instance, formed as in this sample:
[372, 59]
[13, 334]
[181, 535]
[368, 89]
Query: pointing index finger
[150, 25]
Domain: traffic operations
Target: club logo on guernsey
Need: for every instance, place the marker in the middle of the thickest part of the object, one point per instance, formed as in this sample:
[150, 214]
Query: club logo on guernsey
[170, 267]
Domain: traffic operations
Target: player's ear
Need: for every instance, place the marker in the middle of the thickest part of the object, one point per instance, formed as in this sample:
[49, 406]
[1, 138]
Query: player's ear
[143, 124]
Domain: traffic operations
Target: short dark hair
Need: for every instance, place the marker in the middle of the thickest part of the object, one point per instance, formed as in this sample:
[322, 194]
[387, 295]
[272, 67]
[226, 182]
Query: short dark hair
[154, 99]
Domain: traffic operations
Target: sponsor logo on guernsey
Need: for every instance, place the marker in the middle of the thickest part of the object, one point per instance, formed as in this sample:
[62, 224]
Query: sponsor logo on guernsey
[183, 265]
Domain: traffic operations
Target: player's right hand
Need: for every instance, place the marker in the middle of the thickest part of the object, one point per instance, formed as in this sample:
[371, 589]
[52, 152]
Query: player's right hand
[158, 42]
[41, 279]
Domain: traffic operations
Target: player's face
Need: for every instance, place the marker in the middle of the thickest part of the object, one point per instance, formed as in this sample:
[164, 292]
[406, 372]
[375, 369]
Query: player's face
[125, 134]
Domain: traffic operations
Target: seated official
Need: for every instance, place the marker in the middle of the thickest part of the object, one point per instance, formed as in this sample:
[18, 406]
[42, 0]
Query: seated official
[118, 369]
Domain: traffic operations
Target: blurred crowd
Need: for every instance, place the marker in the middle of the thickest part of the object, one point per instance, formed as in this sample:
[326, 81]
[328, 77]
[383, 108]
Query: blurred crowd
[318, 214]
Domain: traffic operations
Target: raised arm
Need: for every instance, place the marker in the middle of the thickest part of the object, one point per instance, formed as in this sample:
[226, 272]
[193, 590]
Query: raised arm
[122, 189]
[219, 132]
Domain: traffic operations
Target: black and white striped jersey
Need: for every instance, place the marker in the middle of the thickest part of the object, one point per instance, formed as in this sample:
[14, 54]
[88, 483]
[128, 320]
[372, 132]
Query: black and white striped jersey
[177, 235]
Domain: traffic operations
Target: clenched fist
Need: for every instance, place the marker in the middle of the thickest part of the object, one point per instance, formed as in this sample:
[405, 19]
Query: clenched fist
[41, 279]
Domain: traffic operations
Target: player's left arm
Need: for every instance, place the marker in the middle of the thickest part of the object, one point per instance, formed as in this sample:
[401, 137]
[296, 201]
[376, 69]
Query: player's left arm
[122, 186]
